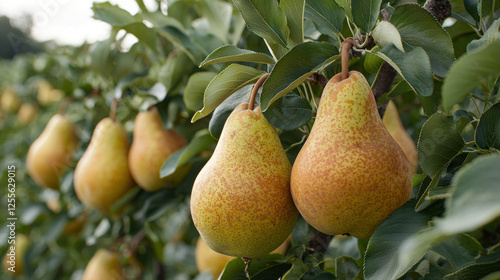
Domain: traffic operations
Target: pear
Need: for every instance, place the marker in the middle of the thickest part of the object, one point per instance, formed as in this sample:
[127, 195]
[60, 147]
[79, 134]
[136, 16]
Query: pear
[350, 175]
[9, 102]
[208, 259]
[151, 146]
[13, 261]
[104, 265]
[46, 94]
[52, 152]
[395, 127]
[27, 113]
[241, 202]
[102, 176]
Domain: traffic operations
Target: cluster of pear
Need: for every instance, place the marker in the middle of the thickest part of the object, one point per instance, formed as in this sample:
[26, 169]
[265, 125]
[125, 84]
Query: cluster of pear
[109, 167]
[349, 176]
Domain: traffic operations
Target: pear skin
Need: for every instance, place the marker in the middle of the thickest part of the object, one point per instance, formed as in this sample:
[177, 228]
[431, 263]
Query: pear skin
[208, 259]
[350, 175]
[9, 102]
[241, 202]
[104, 265]
[393, 123]
[14, 263]
[27, 113]
[52, 152]
[151, 146]
[102, 176]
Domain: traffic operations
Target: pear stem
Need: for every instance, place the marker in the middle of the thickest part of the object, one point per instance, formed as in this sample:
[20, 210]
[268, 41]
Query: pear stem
[112, 112]
[345, 48]
[255, 89]
[247, 262]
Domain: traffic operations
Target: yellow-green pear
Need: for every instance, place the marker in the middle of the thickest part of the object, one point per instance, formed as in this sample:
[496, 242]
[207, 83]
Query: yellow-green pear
[395, 127]
[208, 259]
[104, 265]
[46, 94]
[350, 175]
[52, 152]
[13, 261]
[27, 113]
[9, 102]
[151, 146]
[241, 202]
[102, 176]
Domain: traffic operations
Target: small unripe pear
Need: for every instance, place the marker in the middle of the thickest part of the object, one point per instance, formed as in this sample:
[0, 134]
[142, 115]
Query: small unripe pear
[241, 202]
[102, 176]
[104, 265]
[9, 102]
[350, 175]
[151, 146]
[393, 123]
[52, 152]
[27, 113]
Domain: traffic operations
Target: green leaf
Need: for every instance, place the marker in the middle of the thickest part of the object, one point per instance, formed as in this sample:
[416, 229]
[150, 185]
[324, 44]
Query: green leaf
[328, 16]
[154, 95]
[470, 71]
[298, 269]
[418, 28]
[492, 34]
[294, 12]
[218, 15]
[438, 193]
[474, 271]
[228, 81]
[112, 14]
[386, 33]
[181, 40]
[488, 129]
[289, 112]
[423, 202]
[230, 53]
[222, 112]
[485, 8]
[294, 68]
[265, 18]
[365, 13]
[439, 142]
[347, 268]
[471, 7]
[269, 266]
[341, 246]
[143, 33]
[398, 89]
[172, 71]
[460, 250]
[492, 276]
[413, 66]
[195, 88]
[384, 258]
[201, 142]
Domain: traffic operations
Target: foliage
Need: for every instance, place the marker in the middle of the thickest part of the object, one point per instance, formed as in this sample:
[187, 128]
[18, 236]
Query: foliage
[196, 60]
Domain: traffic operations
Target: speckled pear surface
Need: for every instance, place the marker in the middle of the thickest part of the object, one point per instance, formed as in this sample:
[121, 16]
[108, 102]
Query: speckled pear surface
[102, 176]
[104, 265]
[241, 202]
[52, 152]
[350, 175]
[393, 123]
[151, 146]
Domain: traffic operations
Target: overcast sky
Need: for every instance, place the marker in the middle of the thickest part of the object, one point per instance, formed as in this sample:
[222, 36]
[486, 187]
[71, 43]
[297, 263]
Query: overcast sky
[65, 21]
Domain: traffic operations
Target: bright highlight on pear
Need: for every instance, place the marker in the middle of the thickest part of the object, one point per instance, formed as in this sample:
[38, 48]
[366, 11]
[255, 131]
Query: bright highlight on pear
[395, 127]
[241, 202]
[152, 145]
[350, 174]
[52, 152]
[104, 265]
[102, 176]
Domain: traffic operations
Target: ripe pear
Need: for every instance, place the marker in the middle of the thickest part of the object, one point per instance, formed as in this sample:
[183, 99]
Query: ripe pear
[13, 261]
[151, 146]
[104, 265]
[208, 259]
[52, 152]
[102, 176]
[47, 94]
[27, 113]
[395, 127]
[350, 175]
[9, 102]
[241, 202]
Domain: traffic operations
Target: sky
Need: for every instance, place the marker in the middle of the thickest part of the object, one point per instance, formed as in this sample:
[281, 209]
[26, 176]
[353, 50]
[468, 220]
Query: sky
[67, 22]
